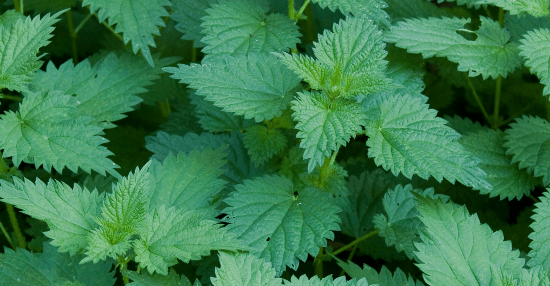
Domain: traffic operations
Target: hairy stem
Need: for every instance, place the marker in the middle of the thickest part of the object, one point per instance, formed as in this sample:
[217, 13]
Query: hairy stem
[496, 109]
[301, 11]
[353, 243]
[15, 226]
[477, 97]
[72, 34]
[319, 264]
[291, 9]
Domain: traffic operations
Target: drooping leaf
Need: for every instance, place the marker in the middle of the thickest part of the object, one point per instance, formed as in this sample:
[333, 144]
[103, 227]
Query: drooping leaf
[188, 15]
[324, 124]
[69, 212]
[263, 143]
[168, 235]
[242, 27]
[19, 44]
[240, 269]
[43, 132]
[490, 54]
[536, 52]
[137, 20]
[458, 250]
[537, 8]
[255, 85]
[506, 178]
[408, 138]
[528, 140]
[371, 8]
[186, 182]
[278, 225]
[384, 278]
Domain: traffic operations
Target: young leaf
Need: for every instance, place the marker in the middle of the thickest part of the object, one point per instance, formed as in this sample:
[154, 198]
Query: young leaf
[186, 182]
[240, 269]
[325, 124]
[280, 226]
[255, 85]
[242, 27]
[458, 250]
[136, 19]
[384, 278]
[121, 215]
[535, 276]
[44, 133]
[350, 60]
[371, 8]
[19, 44]
[540, 246]
[23, 268]
[262, 143]
[69, 212]
[536, 51]
[537, 8]
[188, 14]
[408, 138]
[490, 54]
[168, 235]
[114, 79]
[326, 281]
[506, 178]
[528, 141]
[399, 225]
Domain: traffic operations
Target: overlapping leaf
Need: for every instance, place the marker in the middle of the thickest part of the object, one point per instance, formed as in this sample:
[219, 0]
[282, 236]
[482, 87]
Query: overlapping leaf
[70, 212]
[214, 119]
[371, 8]
[146, 279]
[535, 48]
[540, 246]
[458, 250]
[256, 85]
[19, 44]
[244, 269]
[188, 14]
[278, 225]
[350, 60]
[326, 281]
[506, 178]
[490, 54]
[528, 140]
[138, 20]
[262, 143]
[168, 235]
[537, 8]
[324, 124]
[384, 278]
[44, 133]
[408, 138]
[242, 27]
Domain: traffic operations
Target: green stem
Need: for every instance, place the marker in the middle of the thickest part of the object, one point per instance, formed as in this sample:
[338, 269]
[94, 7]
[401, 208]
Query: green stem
[547, 107]
[301, 11]
[73, 36]
[110, 29]
[16, 6]
[309, 33]
[325, 168]
[164, 107]
[123, 266]
[353, 243]
[15, 226]
[496, 109]
[319, 264]
[534, 199]
[350, 257]
[291, 9]
[11, 97]
[477, 98]
[7, 235]
[81, 24]
[489, 14]
[193, 54]
[501, 16]
[517, 114]
[21, 6]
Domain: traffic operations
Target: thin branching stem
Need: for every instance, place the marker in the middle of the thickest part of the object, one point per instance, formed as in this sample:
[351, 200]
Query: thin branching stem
[534, 199]
[81, 24]
[353, 243]
[350, 257]
[72, 34]
[498, 88]
[15, 225]
[301, 11]
[7, 235]
[291, 9]
[10, 97]
[485, 114]
[319, 264]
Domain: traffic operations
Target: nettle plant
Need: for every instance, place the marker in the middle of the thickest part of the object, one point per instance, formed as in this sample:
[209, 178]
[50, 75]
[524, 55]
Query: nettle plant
[290, 138]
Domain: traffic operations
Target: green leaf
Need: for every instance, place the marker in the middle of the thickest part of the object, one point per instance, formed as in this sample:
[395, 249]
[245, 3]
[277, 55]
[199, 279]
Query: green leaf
[214, 119]
[326, 281]
[138, 20]
[114, 79]
[42, 132]
[240, 269]
[463, 125]
[490, 54]
[400, 223]
[69, 212]
[121, 216]
[263, 143]
[371, 8]
[408, 138]
[537, 8]
[535, 50]
[535, 276]
[528, 140]
[324, 124]
[280, 226]
[188, 14]
[540, 246]
[458, 250]
[10, 18]
[350, 60]
[468, 3]
[168, 235]
[242, 27]
[51, 268]
[255, 85]
[146, 279]
[19, 46]
[187, 182]
[506, 178]
[384, 278]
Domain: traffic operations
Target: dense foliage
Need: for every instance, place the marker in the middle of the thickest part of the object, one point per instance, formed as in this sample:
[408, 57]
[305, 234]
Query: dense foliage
[251, 142]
